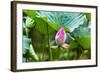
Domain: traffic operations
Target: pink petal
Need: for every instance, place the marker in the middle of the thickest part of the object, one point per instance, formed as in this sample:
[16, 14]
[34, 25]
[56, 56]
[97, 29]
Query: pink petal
[60, 36]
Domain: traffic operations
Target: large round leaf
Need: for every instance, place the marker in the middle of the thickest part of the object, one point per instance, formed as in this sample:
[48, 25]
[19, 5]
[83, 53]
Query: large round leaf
[83, 37]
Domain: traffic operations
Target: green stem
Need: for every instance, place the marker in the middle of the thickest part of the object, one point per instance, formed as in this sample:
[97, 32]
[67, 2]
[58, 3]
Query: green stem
[59, 51]
[50, 54]
[50, 51]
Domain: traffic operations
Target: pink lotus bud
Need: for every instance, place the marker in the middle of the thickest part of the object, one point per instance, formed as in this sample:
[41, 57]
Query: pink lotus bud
[60, 37]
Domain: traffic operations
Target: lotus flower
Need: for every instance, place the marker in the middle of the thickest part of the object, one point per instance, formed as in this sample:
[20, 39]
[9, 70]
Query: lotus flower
[60, 37]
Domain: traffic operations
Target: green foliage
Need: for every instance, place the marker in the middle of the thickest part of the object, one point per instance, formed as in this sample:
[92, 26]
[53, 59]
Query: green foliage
[88, 16]
[29, 22]
[39, 31]
[30, 13]
[83, 36]
[42, 23]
